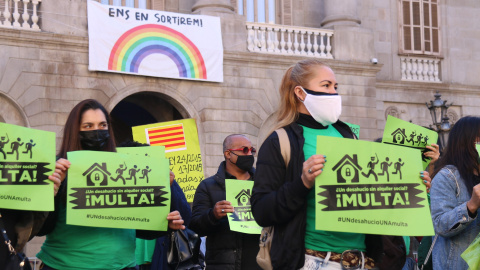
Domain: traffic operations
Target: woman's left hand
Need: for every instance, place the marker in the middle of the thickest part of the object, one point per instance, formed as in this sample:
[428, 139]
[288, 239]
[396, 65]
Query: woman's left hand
[427, 181]
[434, 153]
[61, 167]
[175, 221]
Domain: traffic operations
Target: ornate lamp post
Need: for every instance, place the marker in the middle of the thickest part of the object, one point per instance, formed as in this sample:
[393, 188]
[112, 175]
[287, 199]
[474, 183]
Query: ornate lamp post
[438, 110]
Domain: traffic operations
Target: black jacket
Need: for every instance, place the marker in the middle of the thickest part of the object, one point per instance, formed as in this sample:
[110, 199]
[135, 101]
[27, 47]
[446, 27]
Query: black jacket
[279, 197]
[225, 249]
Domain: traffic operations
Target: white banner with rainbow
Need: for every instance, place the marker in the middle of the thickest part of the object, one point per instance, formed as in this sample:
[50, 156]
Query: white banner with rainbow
[154, 43]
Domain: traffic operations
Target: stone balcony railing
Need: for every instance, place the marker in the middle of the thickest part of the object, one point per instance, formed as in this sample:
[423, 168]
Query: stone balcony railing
[19, 14]
[420, 69]
[289, 40]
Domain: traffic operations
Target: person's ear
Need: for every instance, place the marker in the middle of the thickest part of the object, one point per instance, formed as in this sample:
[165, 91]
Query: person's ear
[299, 93]
[227, 154]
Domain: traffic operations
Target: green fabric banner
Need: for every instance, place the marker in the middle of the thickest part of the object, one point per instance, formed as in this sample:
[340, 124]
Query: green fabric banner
[238, 193]
[27, 158]
[369, 187]
[117, 190]
[404, 133]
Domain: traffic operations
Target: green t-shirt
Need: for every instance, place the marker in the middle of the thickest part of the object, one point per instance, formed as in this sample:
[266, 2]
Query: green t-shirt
[325, 240]
[80, 247]
[144, 250]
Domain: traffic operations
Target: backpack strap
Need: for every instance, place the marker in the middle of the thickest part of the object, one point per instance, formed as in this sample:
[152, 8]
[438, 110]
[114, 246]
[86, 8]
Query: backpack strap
[284, 145]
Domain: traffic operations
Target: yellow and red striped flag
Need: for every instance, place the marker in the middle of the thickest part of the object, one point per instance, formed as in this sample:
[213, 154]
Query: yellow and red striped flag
[172, 137]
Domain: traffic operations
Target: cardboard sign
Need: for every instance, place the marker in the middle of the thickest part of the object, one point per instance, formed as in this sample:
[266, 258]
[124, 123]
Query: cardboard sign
[182, 148]
[406, 134]
[27, 158]
[368, 187]
[238, 193]
[115, 190]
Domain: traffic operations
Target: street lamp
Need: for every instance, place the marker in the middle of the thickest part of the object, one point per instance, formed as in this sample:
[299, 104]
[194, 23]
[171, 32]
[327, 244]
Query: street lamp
[438, 110]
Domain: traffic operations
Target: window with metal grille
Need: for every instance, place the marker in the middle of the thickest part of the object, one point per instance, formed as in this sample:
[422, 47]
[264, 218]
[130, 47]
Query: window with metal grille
[126, 3]
[419, 27]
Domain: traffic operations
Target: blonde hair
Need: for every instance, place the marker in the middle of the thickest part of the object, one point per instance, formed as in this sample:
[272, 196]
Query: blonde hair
[298, 75]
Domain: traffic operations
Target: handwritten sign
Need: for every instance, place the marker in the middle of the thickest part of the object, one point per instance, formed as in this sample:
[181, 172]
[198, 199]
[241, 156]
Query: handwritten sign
[182, 148]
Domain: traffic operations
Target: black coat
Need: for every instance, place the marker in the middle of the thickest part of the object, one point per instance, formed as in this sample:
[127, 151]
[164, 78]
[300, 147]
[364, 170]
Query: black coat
[279, 197]
[225, 249]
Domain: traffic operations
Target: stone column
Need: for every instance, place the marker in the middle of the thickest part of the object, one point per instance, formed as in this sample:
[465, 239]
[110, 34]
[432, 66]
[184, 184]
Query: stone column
[340, 12]
[234, 30]
[203, 6]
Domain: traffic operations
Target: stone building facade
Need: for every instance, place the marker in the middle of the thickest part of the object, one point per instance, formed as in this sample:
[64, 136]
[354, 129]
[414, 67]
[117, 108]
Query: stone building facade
[420, 47]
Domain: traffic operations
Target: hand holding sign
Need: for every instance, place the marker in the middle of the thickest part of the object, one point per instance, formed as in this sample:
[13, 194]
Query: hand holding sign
[474, 202]
[434, 152]
[61, 167]
[221, 209]
[175, 221]
[312, 168]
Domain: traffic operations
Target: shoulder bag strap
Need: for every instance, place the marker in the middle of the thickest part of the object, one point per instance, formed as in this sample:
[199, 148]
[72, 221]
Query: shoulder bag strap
[5, 236]
[284, 145]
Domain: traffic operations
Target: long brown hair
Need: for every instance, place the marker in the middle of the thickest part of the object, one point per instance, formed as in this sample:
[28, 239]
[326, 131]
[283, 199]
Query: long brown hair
[297, 75]
[71, 138]
[460, 150]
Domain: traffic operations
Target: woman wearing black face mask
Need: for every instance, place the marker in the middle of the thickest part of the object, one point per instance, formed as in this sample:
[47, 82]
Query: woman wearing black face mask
[79, 247]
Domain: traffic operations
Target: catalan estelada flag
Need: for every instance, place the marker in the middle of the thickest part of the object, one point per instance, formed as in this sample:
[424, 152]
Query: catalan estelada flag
[172, 137]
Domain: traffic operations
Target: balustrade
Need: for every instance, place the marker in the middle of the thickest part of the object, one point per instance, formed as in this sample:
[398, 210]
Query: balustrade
[19, 14]
[420, 69]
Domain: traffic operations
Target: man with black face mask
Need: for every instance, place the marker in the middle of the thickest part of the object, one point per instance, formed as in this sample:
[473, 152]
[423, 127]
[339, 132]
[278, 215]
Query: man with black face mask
[225, 249]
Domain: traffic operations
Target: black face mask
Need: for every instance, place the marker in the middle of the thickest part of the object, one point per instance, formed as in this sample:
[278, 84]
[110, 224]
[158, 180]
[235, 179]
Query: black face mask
[244, 162]
[94, 139]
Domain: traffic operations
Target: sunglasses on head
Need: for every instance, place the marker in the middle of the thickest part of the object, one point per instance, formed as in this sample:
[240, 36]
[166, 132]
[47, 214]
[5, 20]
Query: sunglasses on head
[245, 150]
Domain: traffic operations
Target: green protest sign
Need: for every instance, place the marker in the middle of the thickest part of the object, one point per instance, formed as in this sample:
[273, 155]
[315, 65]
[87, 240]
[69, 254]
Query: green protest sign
[117, 190]
[369, 187]
[27, 158]
[238, 193]
[355, 129]
[155, 152]
[404, 133]
[470, 255]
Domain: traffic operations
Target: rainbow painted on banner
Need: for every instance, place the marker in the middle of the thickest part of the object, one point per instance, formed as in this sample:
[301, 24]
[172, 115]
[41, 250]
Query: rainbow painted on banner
[141, 41]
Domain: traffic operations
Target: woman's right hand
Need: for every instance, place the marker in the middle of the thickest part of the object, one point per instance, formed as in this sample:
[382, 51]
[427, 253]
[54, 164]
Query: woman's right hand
[474, 203]
[312, 168]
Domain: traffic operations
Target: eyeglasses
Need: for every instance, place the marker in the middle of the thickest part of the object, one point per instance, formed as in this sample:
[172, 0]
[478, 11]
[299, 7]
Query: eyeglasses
[245, 150]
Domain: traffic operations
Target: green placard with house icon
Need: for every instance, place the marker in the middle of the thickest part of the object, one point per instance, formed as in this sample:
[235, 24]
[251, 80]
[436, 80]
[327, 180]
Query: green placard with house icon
[238, 193]
[369, 187]
[116, 190]
[403, 133]
[27, 158]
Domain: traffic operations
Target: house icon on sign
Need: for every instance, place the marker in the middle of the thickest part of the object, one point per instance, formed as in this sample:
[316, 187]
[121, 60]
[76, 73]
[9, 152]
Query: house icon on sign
[243, 198]
[399, 136]
[97, 175]
[348, 169]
